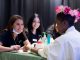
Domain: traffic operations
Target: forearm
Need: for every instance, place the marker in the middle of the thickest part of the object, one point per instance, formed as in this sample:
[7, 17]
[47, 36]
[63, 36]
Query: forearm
[34, 50]
[41, 52]
[2, 49]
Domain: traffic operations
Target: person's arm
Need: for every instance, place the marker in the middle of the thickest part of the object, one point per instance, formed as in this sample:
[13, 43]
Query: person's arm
[42, 52]
[14, 47]
[2, 48]
[26, 42]
[34, 50]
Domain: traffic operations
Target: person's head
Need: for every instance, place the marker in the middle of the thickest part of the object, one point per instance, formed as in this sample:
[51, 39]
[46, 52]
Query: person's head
[16, 23]
[34, 23]
[63, 22]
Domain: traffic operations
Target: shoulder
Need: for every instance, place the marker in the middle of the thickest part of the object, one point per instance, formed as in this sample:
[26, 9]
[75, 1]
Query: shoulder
[69, 36]
[5, 35]
[63, 38]
[5, 32]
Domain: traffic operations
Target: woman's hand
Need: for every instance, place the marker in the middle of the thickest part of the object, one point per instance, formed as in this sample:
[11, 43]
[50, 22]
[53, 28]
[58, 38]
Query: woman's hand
[27, 45]
[15, 47]
[26, 48]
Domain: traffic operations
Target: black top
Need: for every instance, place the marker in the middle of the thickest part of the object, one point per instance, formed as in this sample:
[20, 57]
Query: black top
[32, 36]
[7, 39]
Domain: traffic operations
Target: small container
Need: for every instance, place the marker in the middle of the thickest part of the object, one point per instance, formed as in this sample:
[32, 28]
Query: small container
[48, 38]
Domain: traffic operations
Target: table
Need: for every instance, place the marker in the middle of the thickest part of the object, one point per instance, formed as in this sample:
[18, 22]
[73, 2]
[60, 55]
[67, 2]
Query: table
[19, 56]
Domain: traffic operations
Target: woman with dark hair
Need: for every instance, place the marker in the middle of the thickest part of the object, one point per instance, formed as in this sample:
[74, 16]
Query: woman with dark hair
[14, 34]
[34, 28]
[51, 30]
[66, 46]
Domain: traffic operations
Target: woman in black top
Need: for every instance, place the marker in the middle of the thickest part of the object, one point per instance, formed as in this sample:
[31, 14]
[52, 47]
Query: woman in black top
[14, 33]
[34, 28]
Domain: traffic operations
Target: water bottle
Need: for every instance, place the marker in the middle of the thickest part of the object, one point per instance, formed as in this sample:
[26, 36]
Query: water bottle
[48, 38]
[44, 39]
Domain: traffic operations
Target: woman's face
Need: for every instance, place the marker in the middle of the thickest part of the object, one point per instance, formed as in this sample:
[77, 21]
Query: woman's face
[36, 23]
[61, 26]
[18, 25]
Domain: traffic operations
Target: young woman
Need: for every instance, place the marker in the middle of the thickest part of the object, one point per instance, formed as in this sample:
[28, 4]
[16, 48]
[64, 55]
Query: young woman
[34, 28]
[51, 30]
[13, 34]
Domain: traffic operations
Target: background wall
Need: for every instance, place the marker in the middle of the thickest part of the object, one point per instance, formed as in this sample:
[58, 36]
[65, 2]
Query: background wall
[25, 8]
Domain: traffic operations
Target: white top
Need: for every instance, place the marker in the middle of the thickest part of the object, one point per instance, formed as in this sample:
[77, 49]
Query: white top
[65, 47]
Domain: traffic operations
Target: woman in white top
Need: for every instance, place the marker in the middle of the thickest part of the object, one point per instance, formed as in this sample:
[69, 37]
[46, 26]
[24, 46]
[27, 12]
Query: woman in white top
[65, 47]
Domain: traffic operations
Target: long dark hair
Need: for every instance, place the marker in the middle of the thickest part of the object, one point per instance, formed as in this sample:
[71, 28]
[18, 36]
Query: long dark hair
[29, 24]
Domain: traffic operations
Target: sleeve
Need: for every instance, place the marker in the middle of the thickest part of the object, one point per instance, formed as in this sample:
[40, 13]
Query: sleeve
[0, 41]
[56, 51]
[2, 38]
[53, 51]
[43, 52]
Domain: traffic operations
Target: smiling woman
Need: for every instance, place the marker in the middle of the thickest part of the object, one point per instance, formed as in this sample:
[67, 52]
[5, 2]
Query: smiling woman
[14, 32]
[34, 28]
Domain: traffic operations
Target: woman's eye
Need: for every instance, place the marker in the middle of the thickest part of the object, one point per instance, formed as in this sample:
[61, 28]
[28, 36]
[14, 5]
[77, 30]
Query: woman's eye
[17, 24]
[36, 22]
